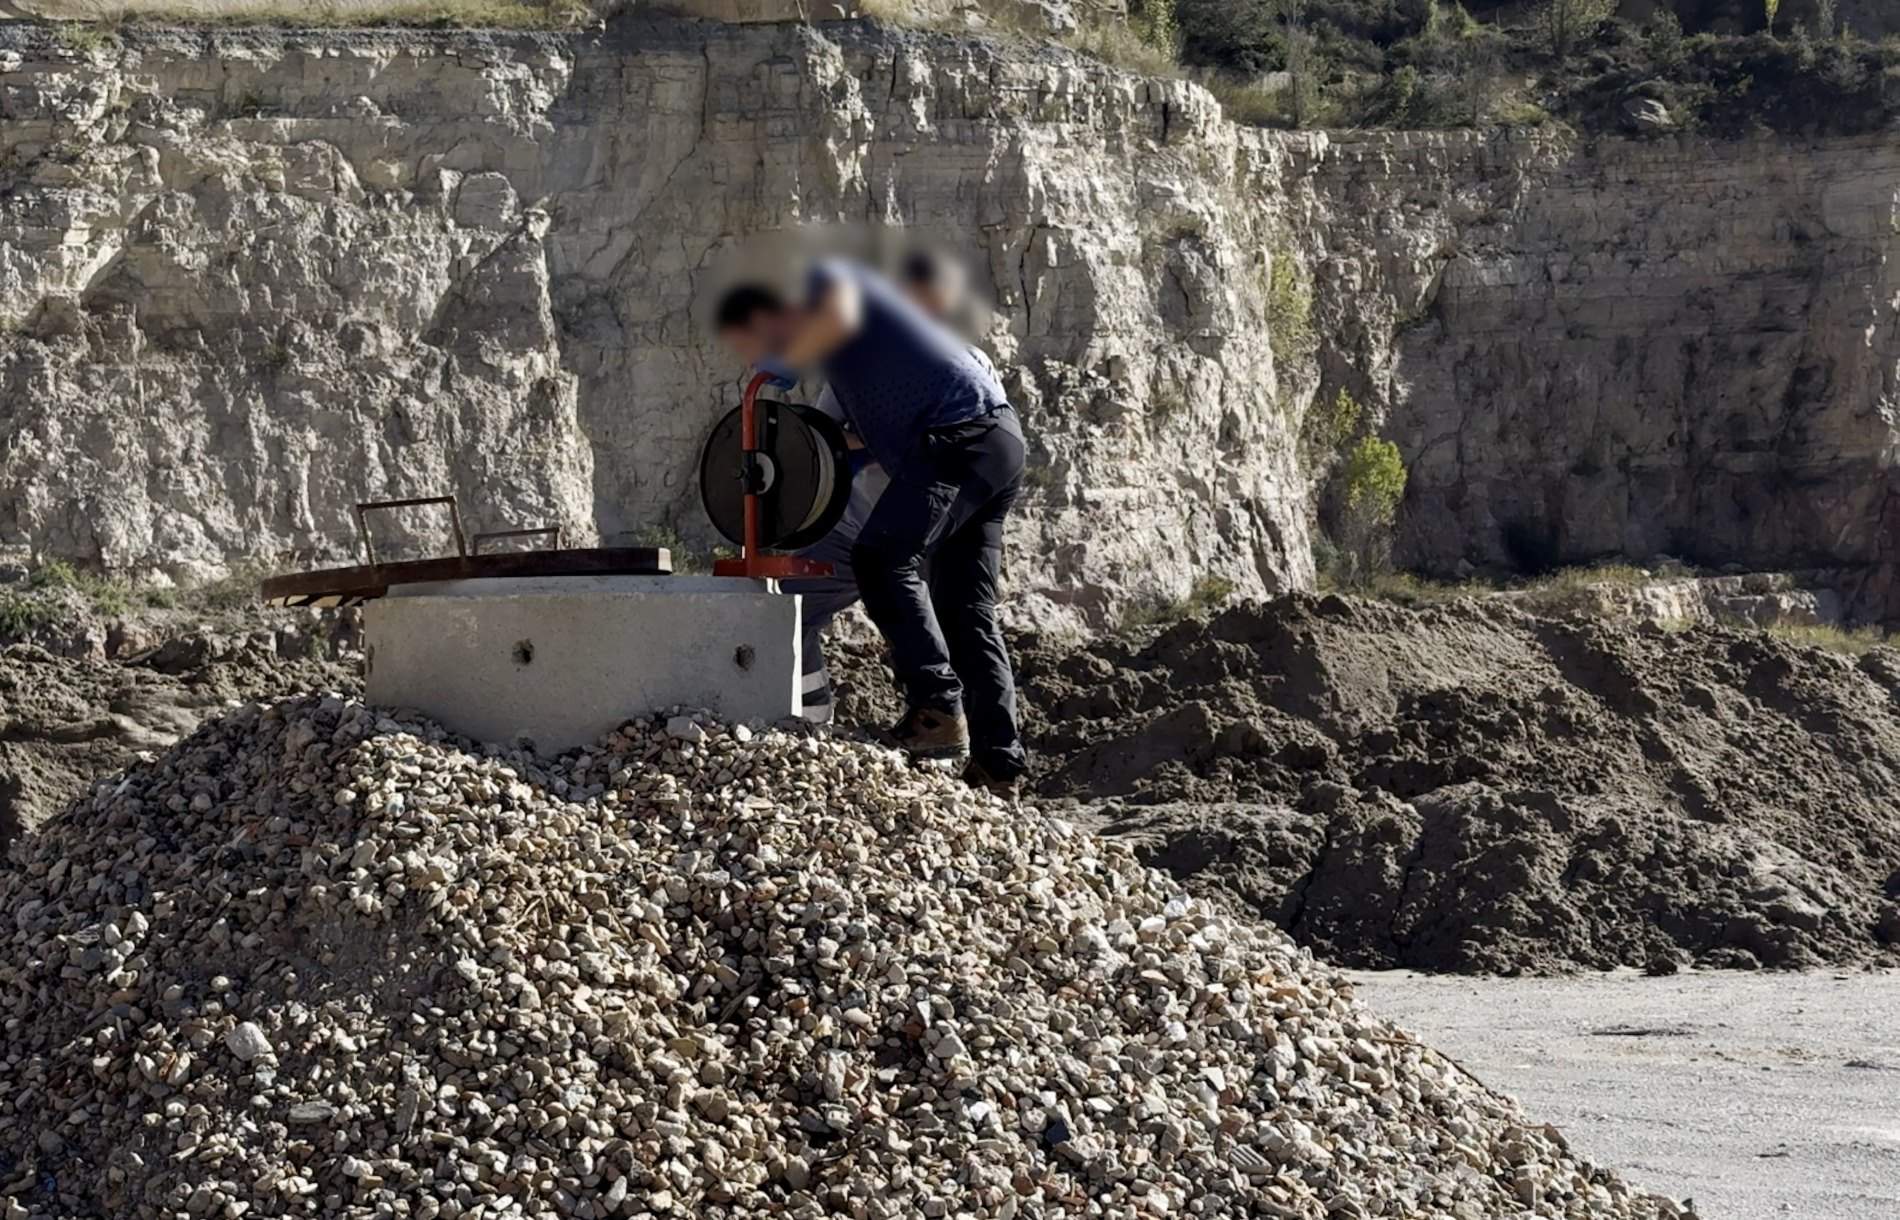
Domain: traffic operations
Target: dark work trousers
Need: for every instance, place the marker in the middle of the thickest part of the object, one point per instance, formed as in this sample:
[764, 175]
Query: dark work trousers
[946, 506]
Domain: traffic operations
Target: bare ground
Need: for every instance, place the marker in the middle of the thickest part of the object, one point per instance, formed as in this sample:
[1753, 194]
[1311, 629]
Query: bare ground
[68, 722]
[1763, 1096]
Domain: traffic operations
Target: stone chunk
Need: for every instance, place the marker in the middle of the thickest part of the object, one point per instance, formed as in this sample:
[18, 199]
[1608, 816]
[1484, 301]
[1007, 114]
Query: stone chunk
[247, 1042]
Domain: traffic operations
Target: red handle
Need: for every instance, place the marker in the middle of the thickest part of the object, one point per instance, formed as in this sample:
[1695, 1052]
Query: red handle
[749, 443]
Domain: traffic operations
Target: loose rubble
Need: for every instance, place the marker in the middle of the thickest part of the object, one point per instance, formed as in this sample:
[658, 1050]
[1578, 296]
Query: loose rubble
[317, 961]
[1477, 788]
[65, 721]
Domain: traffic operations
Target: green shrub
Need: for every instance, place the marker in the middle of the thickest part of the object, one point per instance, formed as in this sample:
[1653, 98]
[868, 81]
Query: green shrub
[1372, 486]
[685, 559]
[1289, 305]
[22, 613]
[1375, 479]
[234, 590]
[1329, 424]
[85, 37]
[1207, 594]
[1566, 25]
[1154, 22]
[1307, 67]
[1827, 18]
[1520, 113]
[113, 596]
[1423, 64]
[1243, 37]
[1662, 37]
[1210, 593]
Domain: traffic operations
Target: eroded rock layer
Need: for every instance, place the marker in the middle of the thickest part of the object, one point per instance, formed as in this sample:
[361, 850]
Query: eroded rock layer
[254, 279]
[248, 279]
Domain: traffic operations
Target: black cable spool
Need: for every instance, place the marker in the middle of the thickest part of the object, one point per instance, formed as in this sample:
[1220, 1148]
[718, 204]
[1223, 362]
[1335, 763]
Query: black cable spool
[803, 470]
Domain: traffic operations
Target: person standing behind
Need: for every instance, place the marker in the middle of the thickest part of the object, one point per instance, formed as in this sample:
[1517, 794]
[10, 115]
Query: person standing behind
[937, 419]
[936, 285]
[826, 597]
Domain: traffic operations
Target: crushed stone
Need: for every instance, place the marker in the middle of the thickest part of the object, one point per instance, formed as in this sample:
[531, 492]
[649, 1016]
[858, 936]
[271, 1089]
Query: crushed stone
[314, 960]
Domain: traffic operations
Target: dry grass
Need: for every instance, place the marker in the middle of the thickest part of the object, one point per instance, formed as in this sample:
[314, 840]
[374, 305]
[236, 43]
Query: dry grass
[93, 15]
[1854, 641]
[1409, 589]
[1117, 44]
[1208, 595]
[1595, 576]
[1248, 102]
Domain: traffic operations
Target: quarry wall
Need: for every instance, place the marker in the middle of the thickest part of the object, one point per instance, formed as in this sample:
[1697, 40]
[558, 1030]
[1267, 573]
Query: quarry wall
[247, 279]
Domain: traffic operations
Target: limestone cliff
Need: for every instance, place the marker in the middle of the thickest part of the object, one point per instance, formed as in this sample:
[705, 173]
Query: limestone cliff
[250, 279]
[1680, 347]
[247, 279]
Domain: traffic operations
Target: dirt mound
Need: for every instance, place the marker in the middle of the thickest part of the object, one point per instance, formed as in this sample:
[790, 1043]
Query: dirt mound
[316, 956]
[1469, 787]
[66, 723]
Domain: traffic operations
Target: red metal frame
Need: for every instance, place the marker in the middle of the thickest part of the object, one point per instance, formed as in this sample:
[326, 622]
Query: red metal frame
[753, 562]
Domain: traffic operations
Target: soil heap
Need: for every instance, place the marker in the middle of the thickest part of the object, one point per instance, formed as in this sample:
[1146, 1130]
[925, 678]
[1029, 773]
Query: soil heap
[314, 960]
[66, 722]
[1471, 787]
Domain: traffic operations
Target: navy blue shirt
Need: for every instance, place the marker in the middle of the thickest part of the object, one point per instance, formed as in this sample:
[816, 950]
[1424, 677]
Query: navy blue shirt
[902, 373]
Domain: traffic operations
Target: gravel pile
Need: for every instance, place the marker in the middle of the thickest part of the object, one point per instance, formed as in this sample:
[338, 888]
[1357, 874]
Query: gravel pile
[313, 961]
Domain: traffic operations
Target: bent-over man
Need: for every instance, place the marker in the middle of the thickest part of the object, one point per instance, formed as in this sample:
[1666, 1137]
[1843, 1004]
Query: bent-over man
[937, 420]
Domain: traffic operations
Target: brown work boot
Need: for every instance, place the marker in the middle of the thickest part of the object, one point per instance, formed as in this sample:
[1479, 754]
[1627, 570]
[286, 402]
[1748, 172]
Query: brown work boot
[978, 776]
[926, 733]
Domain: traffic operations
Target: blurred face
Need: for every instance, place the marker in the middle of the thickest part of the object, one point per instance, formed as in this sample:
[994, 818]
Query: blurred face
[762, 335]
[931, 298]
[940, 291]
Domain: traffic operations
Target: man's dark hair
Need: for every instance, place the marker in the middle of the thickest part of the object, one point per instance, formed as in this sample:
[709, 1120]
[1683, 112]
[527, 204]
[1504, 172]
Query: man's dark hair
[744, 302]
[921, 268]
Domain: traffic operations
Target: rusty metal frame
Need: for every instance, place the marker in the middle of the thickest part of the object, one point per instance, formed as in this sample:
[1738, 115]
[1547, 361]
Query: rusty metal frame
[365, 582]
[551, 532]
[366, 507]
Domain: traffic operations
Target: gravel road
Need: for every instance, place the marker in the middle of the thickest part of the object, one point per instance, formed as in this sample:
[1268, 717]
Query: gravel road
[1759, 1095]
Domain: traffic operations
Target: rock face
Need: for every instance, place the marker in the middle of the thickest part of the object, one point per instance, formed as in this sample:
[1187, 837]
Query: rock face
[247, 280]
[242, 296]
[252, 279]
[1639, 348]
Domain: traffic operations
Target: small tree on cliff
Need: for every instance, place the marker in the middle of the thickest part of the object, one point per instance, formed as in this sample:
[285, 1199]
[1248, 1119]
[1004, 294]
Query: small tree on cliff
[1568, 24]
[1305, 71]
[1374, 480]
[1154, 22]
